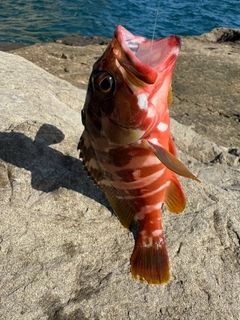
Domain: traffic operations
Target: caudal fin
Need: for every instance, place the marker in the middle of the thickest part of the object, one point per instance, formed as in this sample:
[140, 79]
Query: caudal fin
[150, 262]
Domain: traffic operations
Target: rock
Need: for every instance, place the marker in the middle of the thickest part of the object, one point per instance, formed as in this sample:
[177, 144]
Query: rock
[222, 35]
[71, 63]
[206, 84]
[64, 255]
[8, 46]
[206, 79]
[73, 40]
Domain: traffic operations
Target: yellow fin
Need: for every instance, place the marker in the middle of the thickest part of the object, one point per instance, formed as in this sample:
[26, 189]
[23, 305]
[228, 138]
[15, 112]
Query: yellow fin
[174, 197]
[170, 161]
[150, 263]
[124, 209]
[171, 146]
[170, 96]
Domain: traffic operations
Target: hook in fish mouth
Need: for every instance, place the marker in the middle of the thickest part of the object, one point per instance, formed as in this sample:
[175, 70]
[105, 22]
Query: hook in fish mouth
[152, 55]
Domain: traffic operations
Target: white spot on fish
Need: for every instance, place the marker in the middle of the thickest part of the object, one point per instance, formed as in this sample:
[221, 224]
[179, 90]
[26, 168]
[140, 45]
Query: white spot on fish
[160, 243]
[140, 183]
[93, 164]
[105, 182]
[137, 174]
[148, 242]
[152, 112]
[143, 101]
[162, 126]
[148, 209]
[157, 233]
[155, 141]
[145, 195]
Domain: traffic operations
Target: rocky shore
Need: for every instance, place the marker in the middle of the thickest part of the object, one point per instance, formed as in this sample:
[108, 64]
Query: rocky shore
[64, 255]
[206, 83]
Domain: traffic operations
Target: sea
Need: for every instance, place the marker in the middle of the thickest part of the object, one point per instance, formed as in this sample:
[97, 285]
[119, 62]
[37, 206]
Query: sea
[34, 21]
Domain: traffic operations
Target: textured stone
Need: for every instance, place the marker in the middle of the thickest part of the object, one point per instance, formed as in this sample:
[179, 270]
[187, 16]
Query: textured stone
[64, 255]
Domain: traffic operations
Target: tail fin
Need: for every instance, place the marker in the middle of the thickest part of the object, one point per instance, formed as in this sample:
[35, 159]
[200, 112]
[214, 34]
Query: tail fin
[150, 262]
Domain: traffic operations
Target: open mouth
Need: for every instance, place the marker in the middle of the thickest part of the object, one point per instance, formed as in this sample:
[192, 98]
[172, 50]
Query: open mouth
[150, 55]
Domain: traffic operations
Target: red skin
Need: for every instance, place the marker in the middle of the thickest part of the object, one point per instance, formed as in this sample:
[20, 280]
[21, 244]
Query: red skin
[118, 122]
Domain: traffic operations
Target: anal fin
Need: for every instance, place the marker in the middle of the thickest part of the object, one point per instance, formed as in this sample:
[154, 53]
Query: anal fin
[171, 146]
[174, 197]
[170, 96]
[124, 209]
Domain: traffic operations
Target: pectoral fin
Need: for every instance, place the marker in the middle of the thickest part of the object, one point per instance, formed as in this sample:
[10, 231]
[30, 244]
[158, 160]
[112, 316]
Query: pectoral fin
[170, 161]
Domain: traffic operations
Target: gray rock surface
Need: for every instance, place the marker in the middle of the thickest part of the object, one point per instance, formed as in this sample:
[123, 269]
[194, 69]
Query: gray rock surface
[206, 85]
[63, 255]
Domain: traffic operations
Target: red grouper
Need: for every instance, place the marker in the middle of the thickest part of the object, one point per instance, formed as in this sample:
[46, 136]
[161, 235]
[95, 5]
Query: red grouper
[127, 146]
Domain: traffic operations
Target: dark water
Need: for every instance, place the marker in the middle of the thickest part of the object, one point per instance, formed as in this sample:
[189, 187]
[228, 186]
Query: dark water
[44, 20]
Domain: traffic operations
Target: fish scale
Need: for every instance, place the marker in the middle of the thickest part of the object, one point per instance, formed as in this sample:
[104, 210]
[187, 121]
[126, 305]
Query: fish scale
[127, 147]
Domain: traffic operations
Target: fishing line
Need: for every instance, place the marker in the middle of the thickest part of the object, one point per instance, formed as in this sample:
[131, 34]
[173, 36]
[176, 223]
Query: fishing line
[154, 28]
[156, 19]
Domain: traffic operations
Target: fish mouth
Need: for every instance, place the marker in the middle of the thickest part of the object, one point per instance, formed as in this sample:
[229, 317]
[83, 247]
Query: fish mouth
[147, 57]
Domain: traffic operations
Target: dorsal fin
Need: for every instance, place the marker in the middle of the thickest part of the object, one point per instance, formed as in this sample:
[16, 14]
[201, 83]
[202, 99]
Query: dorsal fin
[124, 209]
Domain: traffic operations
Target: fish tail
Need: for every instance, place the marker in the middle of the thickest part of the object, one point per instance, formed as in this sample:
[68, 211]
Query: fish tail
[150, 263]
[149, 260]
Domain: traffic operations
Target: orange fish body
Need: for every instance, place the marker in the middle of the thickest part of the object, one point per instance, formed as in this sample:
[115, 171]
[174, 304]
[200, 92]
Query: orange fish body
[127, 147]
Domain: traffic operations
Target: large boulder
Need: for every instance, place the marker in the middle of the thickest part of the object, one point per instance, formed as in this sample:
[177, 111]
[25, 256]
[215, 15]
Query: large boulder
[64, 255]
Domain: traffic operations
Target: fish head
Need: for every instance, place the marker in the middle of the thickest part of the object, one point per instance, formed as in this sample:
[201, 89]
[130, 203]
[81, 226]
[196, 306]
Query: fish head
[128, 87]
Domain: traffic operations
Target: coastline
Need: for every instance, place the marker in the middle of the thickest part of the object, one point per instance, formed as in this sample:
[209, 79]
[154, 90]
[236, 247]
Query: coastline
[71, 40]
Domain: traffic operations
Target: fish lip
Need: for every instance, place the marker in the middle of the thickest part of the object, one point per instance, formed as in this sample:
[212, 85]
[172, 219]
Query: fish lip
[164, 52]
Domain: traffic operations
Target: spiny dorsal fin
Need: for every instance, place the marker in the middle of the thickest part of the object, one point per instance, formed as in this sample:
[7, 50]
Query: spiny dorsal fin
[124, 208]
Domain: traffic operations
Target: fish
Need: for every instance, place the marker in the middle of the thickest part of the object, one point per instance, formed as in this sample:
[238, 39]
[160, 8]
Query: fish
[127, 147]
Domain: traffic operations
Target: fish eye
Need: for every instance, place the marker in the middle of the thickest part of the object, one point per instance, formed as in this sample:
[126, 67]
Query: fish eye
[104, 83]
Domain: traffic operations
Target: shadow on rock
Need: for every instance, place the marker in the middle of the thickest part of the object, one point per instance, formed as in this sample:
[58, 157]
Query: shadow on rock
[50, 169]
